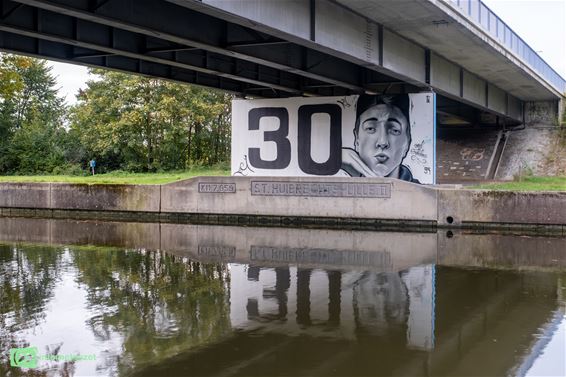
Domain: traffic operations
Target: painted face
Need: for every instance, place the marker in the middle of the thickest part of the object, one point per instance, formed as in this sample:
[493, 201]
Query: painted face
[382, 141]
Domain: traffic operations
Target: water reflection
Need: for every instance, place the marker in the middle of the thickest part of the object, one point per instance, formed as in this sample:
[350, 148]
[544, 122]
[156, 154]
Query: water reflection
[135, 306]
[201, 300]
[27, 281]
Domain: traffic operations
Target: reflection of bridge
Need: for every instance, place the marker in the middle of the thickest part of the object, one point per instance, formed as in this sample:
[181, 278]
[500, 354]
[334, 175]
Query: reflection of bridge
[460, 49]
[411, 311]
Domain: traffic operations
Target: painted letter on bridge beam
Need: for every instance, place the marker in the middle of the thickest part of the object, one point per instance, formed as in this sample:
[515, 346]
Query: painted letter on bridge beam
[357, 136]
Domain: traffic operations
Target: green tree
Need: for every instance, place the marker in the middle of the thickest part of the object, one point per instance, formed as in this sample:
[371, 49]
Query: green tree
[31, 117]
[11, 84]
[11, 81]
[142, 124]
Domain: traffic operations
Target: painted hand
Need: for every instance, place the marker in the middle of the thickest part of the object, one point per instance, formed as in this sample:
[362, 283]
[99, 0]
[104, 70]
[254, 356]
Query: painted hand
[353, 164]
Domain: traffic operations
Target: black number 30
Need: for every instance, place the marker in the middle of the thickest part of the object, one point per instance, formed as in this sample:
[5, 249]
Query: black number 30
[279, 136]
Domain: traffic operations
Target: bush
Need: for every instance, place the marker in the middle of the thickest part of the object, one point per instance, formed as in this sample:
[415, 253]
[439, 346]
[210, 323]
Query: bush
[69, 169]
[222, 166]
[525, 171]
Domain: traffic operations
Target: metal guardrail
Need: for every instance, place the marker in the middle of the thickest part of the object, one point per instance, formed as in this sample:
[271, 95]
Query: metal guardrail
[490, 22]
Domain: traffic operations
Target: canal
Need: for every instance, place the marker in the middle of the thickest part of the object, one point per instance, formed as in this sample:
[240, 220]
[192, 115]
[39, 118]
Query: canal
[86, 298]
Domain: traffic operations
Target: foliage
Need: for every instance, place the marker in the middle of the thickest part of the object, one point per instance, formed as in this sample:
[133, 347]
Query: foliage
[530, 183]
[562, 131]
[124, 122]
[144, 125]
[32, 133]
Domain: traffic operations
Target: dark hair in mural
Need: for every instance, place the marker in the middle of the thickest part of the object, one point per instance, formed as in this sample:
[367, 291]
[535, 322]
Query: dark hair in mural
[366, 101]
[382, 138]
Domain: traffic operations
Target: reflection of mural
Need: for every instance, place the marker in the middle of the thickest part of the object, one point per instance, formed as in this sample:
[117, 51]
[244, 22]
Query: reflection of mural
[393, 136]
[334, 304]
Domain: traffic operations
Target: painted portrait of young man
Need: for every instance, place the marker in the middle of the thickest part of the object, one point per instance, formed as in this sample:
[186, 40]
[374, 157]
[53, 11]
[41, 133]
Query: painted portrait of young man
[382, 137]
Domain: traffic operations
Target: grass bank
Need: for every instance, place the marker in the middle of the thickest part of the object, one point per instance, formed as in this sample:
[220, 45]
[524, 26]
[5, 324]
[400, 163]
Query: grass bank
[120, 177]
[529, 184]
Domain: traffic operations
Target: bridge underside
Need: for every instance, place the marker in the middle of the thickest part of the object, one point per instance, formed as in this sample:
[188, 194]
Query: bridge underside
[198, 44]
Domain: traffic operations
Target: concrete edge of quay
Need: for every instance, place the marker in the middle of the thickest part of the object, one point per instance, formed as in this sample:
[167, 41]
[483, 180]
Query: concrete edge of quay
[305, 202]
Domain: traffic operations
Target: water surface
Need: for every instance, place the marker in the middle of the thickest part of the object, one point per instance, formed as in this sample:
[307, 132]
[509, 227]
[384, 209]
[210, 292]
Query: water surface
[188, 300]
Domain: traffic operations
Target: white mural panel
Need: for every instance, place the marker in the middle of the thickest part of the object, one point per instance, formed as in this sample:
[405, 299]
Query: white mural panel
[358, 136]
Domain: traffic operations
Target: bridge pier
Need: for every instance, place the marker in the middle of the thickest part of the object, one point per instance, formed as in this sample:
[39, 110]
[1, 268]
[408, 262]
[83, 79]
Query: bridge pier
[543, 112]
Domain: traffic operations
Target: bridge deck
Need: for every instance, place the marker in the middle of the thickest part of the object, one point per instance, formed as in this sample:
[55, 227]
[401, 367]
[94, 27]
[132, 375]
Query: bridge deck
[294, 48]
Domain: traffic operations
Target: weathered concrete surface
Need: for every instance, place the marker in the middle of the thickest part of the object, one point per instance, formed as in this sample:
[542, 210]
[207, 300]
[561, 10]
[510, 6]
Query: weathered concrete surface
[541, 112]
[408, 201]
[500, 207]
[25, 195]
[105, 197]
[394, 205]
[527, 152]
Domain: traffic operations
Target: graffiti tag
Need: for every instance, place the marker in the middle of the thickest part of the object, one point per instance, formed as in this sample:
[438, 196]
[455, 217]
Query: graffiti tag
[244, 169]
[418, 154]
[472, 154]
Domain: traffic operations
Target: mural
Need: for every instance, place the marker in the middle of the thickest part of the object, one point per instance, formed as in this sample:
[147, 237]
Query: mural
[357, 136]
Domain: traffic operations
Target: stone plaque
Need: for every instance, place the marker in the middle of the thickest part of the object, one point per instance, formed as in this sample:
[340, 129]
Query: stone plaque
[322, 189]
[217, 188]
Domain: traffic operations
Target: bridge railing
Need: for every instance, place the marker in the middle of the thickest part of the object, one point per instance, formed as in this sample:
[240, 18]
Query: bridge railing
[489, 21]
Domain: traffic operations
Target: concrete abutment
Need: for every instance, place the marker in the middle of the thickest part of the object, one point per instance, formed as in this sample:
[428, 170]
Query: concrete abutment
[543, 112]
[328, 203]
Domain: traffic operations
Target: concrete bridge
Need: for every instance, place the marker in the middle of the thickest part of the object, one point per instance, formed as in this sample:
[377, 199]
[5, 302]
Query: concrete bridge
[480, 68]
[483, 73]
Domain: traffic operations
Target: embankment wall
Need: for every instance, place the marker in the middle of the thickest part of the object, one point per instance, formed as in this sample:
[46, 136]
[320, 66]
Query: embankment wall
[297, 202]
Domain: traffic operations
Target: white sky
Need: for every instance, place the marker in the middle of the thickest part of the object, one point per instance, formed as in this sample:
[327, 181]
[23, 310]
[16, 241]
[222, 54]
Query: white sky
[541, 23]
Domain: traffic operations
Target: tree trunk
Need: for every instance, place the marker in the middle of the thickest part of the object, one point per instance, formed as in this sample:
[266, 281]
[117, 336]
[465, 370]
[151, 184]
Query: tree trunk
[198, 152]
[189, 145]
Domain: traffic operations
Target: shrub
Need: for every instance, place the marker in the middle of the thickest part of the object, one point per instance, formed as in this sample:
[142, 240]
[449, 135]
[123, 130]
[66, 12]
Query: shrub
[70, 169]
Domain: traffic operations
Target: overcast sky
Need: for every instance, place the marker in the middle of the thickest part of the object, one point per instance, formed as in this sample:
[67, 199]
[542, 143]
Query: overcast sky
[541, 23]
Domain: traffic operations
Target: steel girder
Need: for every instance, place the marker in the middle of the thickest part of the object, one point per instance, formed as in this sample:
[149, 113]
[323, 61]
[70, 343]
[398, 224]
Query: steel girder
[183, 36]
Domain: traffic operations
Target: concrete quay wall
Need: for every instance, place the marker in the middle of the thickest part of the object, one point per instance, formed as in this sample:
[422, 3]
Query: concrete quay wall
[296, 202]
